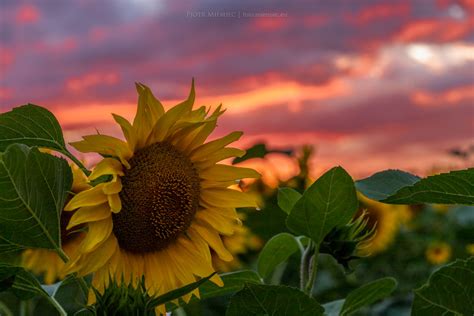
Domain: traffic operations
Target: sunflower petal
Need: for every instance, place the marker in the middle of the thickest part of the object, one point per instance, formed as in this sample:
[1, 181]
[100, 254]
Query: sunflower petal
[223, 225]
[115, 202]
[127, 130]
[214, 240]
[228, 197]
[106, 145]
[209, 148]
[163, 126]
[98, 232]
[91, 197]
[227, 173]
[221, 154]
[89, 214]
[107, 166]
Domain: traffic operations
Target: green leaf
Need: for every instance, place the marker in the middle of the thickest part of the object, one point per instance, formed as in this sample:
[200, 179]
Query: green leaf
[175, 294]
[449, 291]
[259, 151]
[333, 308]
[329, 202]
[287, 198]
[273, 300]
[72, 294]
[455, 187]
[233, 282]
[276, 250]
[33, 189]
[368, 294]
[22, 283]
[383, 184]
[31, 125]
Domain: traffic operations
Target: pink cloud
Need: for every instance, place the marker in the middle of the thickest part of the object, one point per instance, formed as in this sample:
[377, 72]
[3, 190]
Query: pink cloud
[449, 97]
[86, 81]
[27, 14]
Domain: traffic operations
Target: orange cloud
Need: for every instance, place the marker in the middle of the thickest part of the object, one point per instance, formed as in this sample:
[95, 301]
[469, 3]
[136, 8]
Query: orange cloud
[380, 12]
[446, 98]
[92, 79]
[438, 30]
[27, 14]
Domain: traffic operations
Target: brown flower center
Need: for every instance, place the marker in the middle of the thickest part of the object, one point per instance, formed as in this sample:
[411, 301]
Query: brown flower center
[160, 196]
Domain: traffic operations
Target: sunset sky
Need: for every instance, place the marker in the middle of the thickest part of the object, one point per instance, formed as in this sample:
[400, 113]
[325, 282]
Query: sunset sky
[372, 84]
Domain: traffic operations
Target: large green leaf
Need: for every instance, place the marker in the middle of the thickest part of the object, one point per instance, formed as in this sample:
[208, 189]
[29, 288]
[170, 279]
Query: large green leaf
[449, 291]
[273, 300]
[24, 285]
[455, 187]
[287, 198]
[72, 294]
[233, 282]
[31, 125]
[330, 202]
[368, 294]
[383, 184]
[33, 189]
[276, 250]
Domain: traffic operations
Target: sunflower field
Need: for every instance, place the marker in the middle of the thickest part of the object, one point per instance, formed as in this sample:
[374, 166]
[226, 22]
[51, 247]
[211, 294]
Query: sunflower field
[170, 220]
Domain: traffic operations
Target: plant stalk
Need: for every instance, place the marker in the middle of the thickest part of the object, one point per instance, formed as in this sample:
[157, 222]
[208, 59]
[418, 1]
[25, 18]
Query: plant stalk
[313, 270]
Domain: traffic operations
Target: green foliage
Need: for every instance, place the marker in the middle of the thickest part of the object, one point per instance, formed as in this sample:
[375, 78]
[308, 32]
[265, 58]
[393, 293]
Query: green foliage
[33, 189]
[23, 285]
[72, 294]
[233, 282]
[276, 251]
[398, 187]
[259, 151]
[455, 187]
[287, 198]
[273, 300]
[449, 291]
[31, 125]
[368, 294]
[330, 202]
[383, 184]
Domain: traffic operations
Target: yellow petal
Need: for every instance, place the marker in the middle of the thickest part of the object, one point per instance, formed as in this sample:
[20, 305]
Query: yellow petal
[204, 132]
[227, 198]
[214, 240]
[163, 126]
[127, 130]
[96, 259]
[115, 202]
[209, 148]
[218, 222]
[97, 234]
[107, 166]
[91, 197]
[106, 145]
[219, 155]
[114, 186]
[226, 173]
[89, 214]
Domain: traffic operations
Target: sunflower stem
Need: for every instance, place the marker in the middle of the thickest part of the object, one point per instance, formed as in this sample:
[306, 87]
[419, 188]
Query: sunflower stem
[304, 265]
[62, 255]
[313, 270]
[58, 306]
[76, 161]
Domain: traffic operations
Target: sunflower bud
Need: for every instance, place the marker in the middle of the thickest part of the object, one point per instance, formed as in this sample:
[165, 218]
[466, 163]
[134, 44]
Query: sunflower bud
[343, 243]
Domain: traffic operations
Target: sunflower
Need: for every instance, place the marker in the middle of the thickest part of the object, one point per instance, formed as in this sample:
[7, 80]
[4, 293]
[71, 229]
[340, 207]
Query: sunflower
[46, 262]
[438, 253]
[241, 242]
[165, 202]
[386, 218]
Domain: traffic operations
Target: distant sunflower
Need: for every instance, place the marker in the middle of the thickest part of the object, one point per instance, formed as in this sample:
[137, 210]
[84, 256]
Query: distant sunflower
[46, 262]
[241, 242]
[166, 202]
[386, 219]
[438, 253]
